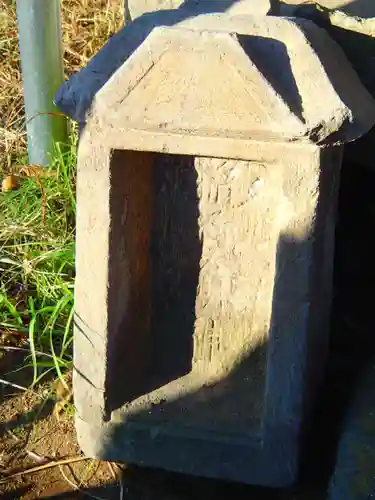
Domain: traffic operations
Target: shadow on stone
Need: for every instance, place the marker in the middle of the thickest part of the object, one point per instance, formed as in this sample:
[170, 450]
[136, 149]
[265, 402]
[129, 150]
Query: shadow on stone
[153, 344]
[359, 49]
[279, 74]
[360, 8]
[352, 344]
[266, 383]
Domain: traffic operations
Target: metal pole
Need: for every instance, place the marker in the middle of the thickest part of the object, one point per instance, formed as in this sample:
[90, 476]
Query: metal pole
[42, 73]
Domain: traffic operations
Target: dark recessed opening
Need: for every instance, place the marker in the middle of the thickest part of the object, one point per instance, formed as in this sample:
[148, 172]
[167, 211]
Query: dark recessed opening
[156, 322]
[153, 289]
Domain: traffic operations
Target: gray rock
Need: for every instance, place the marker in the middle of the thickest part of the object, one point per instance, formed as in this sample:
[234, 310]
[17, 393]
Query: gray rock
[354, 476]
[208, 173]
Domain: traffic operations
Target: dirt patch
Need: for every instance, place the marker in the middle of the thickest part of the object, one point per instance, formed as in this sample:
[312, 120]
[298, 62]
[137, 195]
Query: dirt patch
[33, 435]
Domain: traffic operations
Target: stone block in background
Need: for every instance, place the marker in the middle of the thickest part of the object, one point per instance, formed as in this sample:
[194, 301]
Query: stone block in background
[135, 8]
[354, 477]
[360, 8]
[355, 35]
[207, 181]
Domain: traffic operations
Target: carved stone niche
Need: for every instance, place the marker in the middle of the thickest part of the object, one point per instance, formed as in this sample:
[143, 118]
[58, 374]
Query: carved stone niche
[208, 171]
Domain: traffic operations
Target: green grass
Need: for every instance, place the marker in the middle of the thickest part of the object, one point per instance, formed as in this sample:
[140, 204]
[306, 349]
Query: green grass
[37, 228]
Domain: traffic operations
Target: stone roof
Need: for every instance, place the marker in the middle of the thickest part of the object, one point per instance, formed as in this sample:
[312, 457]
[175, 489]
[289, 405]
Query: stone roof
[220, 75]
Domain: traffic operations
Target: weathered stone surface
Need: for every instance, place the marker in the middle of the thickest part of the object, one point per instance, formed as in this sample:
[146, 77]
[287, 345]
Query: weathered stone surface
[354, 477]
[316, 110]
[136, 8]
[223, 369]
[205, 238]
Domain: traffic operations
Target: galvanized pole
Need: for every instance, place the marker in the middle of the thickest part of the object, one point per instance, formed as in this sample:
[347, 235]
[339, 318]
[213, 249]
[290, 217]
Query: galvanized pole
[42, 73]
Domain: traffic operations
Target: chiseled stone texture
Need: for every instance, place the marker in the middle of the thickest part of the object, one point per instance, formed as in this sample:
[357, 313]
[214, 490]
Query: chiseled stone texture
[205, 235]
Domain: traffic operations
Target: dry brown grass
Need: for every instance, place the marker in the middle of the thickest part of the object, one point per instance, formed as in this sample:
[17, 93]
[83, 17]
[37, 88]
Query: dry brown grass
[86, 26]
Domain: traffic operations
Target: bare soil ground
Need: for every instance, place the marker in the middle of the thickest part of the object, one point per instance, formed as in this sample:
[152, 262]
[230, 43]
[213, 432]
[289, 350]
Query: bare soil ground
[35, 433]
[32, 435]
[30, 432]
[40, 456]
